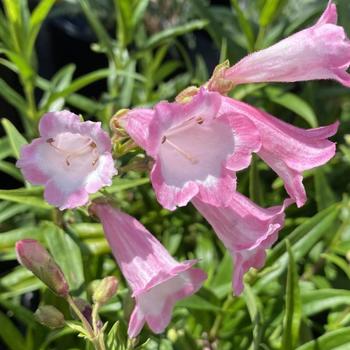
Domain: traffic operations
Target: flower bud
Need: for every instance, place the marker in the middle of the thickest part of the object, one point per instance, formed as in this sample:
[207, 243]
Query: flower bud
[49, 316]
[105, 290]
[33, 256]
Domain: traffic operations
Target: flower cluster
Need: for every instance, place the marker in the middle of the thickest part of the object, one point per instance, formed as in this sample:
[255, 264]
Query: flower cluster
[198, 143]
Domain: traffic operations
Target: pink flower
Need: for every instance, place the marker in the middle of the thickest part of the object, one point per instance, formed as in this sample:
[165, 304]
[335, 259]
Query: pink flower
[288, 150]
[71, 159]
[319, 52]
[246, 230]
[157, 280]
[196, 150]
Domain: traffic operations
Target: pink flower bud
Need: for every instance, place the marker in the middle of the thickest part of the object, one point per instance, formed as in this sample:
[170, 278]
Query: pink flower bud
[33, 256]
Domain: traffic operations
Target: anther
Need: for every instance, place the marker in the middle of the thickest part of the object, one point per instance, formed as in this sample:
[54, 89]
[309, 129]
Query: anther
[200, 120]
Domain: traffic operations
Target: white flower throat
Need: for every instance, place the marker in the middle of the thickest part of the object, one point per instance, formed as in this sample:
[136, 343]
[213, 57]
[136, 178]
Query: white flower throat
[182, 128]
[87, 148]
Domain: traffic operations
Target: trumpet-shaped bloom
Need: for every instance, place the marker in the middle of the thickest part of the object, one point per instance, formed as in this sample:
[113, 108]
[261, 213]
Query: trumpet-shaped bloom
[288, 150]
[71, 159]
[156, 279]
[196, 150]
[319, 52]
[246, 230]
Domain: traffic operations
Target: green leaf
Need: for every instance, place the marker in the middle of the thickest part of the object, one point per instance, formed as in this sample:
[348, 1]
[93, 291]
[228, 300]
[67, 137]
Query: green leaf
[98, 28]
[335, 340]
[245, 25]
[38, 16]
[302, 239]
[173, 32]
[270, 11]
[139, 12]
[255, 310]
[340, 262]
[30, 196]
[5, 148]
[12, 97]
[11, 210]
[10, 335]
[221, 284]
[292, 102]
[197, 303]
[16, 140]
[324, 194]
[78, 84]
[66, 253]
[292, 317]
[60, 81]
[316, 301]
[10, 169]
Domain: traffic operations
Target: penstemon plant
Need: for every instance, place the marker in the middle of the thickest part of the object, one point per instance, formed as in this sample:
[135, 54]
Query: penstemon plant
[193, 151]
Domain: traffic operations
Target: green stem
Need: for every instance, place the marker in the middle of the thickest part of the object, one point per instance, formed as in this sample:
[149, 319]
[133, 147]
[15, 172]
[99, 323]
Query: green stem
[85, 322]
[218, 320]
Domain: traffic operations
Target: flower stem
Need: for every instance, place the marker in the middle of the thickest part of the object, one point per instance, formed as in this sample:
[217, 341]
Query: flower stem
[86, 324]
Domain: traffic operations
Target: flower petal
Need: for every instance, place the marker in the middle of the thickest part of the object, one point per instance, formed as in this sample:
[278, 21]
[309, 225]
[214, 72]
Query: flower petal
[245, 229]
[287, 149]
[319, 52]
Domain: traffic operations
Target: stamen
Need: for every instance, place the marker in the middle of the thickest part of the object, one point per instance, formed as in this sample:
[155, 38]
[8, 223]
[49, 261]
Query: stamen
[85, 148]
[81, 151]
[178, 149]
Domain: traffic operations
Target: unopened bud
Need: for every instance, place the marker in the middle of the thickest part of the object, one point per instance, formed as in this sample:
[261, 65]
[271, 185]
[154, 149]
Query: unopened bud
[33, 256]
[105, 290]
[49, 316]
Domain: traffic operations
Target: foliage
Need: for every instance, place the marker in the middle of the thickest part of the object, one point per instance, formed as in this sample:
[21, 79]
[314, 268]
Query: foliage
[299, 300]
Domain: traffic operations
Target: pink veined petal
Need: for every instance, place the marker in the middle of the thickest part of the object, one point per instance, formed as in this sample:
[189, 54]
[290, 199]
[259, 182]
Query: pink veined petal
[287, 149]
[156, 279]
[136, 123]
[319, 52]
[71, 159]
[245, 229]
[169, 116]
[247, 140]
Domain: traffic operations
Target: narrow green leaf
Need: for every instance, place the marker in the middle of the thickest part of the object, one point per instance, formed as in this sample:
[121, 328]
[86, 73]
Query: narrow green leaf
[12, 97]
[10, 169]
[270, 11]
[38, 16]
[315, 301]
[254, 307]
[30, 196]
[324, 194]
[335, 340]
[302, 239]
[292, 102]
[292, 317]
[15, 138]
[139, 12]
[66, 253]
[245, 25]
[197, 303]
[10, 334]
[78, 84]
[11, 210]
[340, 262]
[173, 32]
[98, 28]
[5, 148]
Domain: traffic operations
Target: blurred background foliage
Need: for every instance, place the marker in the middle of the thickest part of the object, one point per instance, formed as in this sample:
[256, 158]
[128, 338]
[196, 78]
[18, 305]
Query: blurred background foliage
[98, 56]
